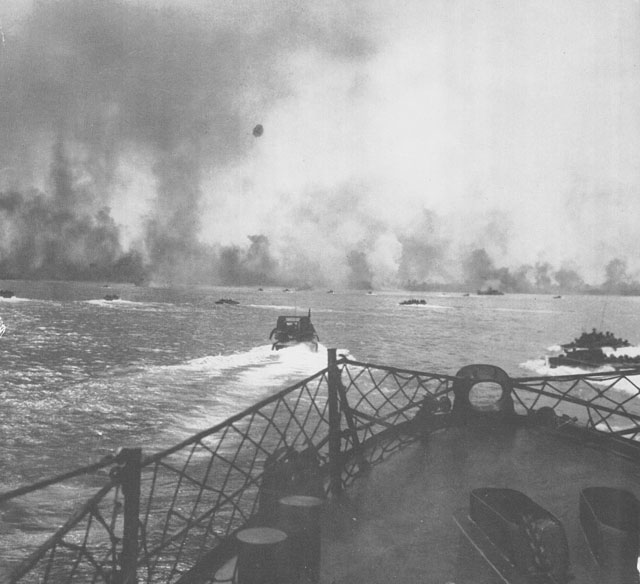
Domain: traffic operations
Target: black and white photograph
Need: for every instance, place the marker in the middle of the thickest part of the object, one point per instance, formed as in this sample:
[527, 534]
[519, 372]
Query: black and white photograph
[319, 291]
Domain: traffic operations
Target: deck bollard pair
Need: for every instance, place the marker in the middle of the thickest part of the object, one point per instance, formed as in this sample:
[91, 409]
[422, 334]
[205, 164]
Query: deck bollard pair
[287, 553]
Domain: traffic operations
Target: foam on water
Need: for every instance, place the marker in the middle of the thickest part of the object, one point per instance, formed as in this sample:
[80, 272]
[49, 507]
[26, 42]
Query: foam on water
[293, 309]
[217, 364]
[436, 307]
[525, 310]
[541, 367]
[123, 303]
[274, 306]
[299, 361]
[260, 366]
[629, 386]
[14, 299]
[633, 351]
[249, 376]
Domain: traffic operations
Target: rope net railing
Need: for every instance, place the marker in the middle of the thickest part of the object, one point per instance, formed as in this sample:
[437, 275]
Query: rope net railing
[83, 549]
[196, 496]
[382, 401]
[192, 498]
[603, 402]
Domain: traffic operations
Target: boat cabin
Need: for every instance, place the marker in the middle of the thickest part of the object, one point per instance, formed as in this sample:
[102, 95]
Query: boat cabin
[291, 330]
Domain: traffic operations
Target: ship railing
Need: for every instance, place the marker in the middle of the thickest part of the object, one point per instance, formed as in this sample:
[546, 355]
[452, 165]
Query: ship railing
[172, 516]
[606, 403]
[380, 405]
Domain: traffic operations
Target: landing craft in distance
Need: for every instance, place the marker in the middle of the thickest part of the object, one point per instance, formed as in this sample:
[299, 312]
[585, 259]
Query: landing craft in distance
[258, 130]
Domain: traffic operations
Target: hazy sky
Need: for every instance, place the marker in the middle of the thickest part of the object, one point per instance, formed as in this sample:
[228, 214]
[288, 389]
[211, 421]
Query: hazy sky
[408, 132]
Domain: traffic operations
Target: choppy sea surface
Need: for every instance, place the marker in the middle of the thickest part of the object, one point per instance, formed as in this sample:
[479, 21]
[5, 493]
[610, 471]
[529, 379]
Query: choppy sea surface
[82, 376]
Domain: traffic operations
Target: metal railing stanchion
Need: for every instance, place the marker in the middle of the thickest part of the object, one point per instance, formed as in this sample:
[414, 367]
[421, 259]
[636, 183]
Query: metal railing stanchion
[335, 458]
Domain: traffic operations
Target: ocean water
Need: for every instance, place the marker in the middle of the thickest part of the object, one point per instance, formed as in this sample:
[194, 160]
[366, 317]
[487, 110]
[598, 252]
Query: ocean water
[82, 376]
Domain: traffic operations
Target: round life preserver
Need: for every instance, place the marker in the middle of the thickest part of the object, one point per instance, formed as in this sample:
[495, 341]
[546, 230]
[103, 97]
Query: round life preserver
[471, 375]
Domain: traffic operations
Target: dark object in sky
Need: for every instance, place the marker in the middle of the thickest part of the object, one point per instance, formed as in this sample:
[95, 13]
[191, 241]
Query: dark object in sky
[258, 130]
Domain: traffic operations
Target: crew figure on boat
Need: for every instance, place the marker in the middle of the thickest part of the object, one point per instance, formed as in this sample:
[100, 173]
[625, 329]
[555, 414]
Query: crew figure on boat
[293, 330]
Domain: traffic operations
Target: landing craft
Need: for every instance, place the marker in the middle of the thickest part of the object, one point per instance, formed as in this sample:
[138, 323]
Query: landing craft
[294, 330]
[258, 131]
[596, 349]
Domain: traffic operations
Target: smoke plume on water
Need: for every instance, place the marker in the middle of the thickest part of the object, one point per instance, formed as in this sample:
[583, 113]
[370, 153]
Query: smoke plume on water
[442, 144]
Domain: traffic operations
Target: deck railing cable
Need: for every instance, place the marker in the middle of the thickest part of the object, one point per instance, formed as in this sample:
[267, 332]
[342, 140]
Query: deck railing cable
[107, 461]
[604, 402]
[171, 516]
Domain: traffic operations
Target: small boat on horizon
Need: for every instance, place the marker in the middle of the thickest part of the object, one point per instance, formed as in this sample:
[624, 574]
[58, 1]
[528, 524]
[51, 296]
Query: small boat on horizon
[227, 301]
[490, 292]
[412, 301]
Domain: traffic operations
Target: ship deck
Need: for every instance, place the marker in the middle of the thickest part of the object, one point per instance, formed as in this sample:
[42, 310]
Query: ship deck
[397, 525]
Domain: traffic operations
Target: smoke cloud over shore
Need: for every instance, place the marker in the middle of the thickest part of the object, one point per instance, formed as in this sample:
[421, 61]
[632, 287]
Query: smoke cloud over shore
[440, 144]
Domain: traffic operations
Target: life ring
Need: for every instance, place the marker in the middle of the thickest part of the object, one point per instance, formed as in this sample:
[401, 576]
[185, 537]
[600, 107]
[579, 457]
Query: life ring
[468, 377]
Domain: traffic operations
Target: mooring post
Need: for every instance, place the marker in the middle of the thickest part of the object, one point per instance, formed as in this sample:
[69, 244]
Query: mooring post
[335, 458]
[262, 556]
[130, 476]
[299, 518]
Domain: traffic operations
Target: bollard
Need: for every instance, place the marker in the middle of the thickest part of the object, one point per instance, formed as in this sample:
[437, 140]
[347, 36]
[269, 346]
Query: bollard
[299, 518]
[262, 557]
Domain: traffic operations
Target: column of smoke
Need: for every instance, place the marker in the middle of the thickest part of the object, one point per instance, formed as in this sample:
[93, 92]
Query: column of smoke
[87, 87]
